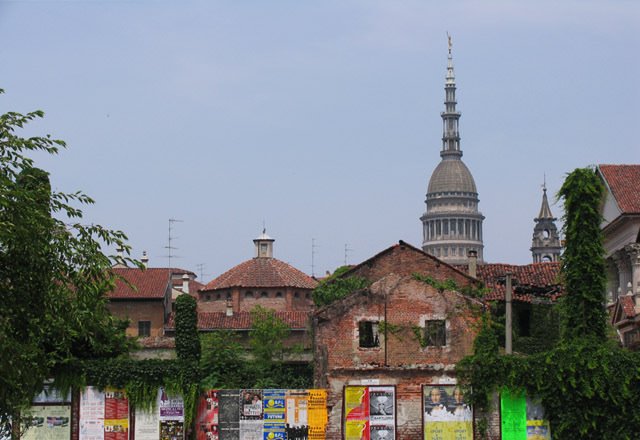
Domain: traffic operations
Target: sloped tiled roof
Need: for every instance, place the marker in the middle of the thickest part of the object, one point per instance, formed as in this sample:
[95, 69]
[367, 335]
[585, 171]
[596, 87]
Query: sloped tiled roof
[624, 183]
[628, 306]
[531, 282]
[243, 320]
[150, 283]
[262, 272]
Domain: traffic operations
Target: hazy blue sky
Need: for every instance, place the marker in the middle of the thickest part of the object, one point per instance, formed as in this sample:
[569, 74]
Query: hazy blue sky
[321, 119]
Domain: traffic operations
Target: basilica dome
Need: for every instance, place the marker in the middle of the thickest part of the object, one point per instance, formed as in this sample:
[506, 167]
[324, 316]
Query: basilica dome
[451, 175]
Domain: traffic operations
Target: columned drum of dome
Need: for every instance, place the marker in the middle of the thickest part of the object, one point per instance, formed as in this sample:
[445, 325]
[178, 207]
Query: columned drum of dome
[452, 223]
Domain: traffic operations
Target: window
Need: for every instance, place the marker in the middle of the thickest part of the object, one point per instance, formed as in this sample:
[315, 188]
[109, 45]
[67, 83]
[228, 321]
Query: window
[368, 334]
[278, 294]
[218, 296]
[208, 297]
[248, 294]
[264, 295]
[435, 333]
[296, 295]
[144, 329]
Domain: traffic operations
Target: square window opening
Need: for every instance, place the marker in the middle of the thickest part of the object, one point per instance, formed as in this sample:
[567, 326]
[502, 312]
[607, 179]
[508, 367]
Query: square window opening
[368, 334]
[435, 333]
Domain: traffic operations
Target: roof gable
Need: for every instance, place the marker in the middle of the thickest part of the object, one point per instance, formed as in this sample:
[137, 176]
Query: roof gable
[623, 182]
[135, 283]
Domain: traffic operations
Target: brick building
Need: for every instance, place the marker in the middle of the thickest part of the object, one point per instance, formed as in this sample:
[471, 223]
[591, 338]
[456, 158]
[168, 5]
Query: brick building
[145, 297]
[400, 332]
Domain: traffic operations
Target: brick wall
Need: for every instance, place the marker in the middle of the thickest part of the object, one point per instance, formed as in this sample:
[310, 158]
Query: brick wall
[140, 310]
[278, 299]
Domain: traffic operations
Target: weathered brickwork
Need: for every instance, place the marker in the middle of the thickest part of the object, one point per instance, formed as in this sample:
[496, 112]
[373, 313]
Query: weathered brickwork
[244, 300]
[140, 310]
[399, 305]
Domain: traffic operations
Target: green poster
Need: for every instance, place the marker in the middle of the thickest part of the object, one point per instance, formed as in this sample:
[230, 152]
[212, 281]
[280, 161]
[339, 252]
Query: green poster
[513, 410]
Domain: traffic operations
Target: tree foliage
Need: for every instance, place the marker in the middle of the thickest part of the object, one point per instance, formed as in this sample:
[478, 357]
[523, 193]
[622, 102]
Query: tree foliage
[53, 272]
[336, 287]
[589, 386]
[229, 362]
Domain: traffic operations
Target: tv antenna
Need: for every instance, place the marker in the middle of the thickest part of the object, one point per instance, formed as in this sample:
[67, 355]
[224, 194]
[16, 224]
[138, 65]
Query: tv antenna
[200, 267]
[169, 247]
[347, 249]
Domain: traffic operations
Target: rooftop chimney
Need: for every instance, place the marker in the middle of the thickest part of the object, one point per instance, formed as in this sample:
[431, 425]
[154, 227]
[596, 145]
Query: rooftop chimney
[145, 259]
[473, 263]
[185, 283]
[229, 308]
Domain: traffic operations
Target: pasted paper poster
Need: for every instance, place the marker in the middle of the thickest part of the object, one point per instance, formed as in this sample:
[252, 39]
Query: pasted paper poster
[91, 414]
[48, 422]
[447, 415]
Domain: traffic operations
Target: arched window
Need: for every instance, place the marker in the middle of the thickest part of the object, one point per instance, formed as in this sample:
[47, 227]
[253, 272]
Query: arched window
[248, 294]
[264, 295]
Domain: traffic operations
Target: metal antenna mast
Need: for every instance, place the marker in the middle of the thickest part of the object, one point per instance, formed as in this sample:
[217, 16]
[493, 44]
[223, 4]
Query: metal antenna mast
[171, 238]
[200, 267]
[347, 249]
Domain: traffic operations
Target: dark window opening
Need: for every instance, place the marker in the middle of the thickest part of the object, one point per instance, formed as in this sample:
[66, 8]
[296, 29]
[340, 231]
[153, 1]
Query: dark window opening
[264, 295]
[248, 294]
[144, 328]
[296, 295]
[524, 322]
[368, 334]
[278, 294]
[435, 333]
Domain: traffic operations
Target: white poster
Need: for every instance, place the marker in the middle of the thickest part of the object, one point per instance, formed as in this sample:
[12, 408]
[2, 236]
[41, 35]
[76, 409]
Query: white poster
[51, 422]
[91, 414]
[147, 425]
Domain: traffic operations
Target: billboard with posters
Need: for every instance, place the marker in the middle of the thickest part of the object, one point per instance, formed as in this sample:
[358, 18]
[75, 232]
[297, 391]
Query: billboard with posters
[446, 413]
[523, 418]
[369, 413]
[280, 414]
[48, 422]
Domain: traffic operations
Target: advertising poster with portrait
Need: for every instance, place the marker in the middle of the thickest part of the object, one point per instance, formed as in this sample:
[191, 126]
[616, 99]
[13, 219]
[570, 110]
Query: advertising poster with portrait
[91, 414]
[447, 414]
[369, 412]
[538, 427]
[116, 415]
[208, 416]
[48, 422]
[171, 407]
[251, 416]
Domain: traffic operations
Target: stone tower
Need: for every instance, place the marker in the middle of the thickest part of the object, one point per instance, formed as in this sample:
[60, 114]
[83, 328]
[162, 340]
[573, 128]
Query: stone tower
[452, 224]
[545, 245]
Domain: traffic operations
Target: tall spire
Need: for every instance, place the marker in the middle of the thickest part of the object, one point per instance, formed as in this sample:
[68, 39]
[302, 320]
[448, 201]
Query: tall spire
[545, 211]
[450, 117]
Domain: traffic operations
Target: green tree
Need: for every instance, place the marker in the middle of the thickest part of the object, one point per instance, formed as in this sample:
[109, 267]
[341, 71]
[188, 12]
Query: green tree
[224, 361]
[53, 273]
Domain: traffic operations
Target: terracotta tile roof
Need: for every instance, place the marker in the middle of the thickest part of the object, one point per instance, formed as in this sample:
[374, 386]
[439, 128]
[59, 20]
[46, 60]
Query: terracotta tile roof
[262, 272]
[242, 320]
[150, 283]
[628, 306]
[624, 183]
[532, 282]
[157, 342]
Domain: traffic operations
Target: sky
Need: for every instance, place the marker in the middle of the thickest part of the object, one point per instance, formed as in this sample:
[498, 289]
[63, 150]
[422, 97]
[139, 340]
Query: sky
[319, 120]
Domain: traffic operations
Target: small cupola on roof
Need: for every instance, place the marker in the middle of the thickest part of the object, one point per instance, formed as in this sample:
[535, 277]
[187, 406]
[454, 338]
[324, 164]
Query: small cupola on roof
[264, 245]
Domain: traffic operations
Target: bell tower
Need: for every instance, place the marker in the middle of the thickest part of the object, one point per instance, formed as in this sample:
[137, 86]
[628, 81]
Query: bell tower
[545, 246]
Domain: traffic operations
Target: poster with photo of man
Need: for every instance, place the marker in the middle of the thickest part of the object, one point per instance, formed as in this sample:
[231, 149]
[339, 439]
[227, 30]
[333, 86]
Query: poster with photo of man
[382, 404]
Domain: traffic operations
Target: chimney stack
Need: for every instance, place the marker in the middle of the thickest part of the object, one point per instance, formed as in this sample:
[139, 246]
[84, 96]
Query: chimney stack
[229, 308]
[473, 263]
[185, 283]
[145, 259]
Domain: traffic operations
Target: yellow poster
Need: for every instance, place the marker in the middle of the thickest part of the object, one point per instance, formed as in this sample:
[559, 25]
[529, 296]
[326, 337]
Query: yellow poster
[317, 414]
[356, 430]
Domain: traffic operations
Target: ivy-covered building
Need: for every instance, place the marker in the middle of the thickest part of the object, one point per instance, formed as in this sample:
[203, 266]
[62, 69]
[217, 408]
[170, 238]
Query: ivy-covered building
[409, 328]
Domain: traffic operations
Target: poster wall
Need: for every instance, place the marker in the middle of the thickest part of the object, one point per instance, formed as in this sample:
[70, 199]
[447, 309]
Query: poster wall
[447, 415]
[523, 418]
[369, 413]
[48, 422]
[262, 414]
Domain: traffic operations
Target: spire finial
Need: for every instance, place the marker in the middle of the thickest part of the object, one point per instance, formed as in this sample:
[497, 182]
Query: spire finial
[450, 43]
[544, 182]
